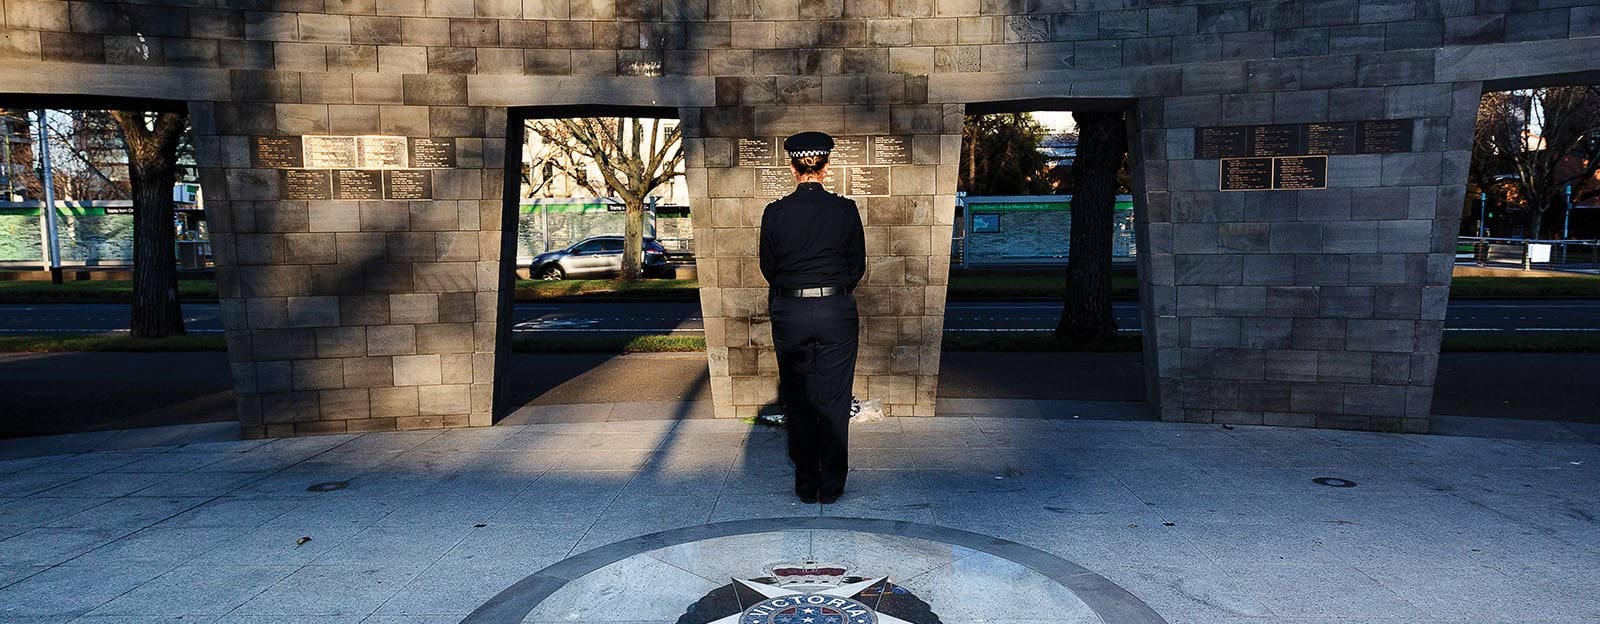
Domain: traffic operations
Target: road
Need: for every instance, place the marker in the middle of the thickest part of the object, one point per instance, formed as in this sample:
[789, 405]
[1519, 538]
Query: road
[684, 317]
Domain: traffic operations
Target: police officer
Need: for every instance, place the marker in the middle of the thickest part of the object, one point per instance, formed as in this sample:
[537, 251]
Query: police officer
[813, 253]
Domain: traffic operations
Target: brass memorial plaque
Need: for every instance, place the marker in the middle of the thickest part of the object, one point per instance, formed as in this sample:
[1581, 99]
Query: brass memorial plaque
[757, 153]
[330, 152]
[271, 152]
[1246, 174]
[1386, 136]
[867, 181]
[849, 150]
[1230, 142]
[1331, 138]
[433, 153]
[357, 184]
[407, 184]
[306, 184]
[1294, 156]
[774, 182]
[1298, 173]
[891, 150]
[382, 152]
[1280, 140]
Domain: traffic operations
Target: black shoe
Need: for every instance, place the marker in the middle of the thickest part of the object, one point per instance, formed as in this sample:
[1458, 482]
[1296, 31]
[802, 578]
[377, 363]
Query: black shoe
[829, 499]
[806, 492]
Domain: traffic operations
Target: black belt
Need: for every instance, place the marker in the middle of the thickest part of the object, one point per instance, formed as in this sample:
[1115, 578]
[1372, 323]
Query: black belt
[819, 291]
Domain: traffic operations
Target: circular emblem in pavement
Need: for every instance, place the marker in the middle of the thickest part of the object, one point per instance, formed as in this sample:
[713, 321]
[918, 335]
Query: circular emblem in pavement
[939, 575]
[810, 592]
[808, 609]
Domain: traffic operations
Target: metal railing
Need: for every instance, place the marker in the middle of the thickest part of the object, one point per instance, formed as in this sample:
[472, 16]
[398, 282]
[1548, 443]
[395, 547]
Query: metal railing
[1557, 254]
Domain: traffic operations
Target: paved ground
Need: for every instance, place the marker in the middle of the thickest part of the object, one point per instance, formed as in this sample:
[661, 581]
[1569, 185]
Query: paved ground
[145, 389]
[669, 317]
[1201, 523]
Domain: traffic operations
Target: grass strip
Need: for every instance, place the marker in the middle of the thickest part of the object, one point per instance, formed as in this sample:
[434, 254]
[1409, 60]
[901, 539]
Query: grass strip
[53, 343]
[1525, 288]
[95, 291]
[603, 343]
[609, 290]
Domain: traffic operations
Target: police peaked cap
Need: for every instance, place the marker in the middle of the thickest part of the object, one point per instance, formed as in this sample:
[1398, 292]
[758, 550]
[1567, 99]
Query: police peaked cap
[808, 144]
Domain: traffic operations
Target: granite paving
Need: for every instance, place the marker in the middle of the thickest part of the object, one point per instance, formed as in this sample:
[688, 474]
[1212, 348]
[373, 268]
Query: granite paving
[1202, 522]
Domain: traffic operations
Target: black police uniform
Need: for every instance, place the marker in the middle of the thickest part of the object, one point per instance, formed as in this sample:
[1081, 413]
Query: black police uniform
[813, 253]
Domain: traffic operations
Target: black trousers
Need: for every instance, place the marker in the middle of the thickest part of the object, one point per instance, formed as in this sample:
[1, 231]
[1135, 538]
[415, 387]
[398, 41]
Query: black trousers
[816, 339]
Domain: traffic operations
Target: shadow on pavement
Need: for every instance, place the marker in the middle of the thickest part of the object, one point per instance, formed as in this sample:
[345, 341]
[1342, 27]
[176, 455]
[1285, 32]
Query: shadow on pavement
[49, 393]
[52, 393]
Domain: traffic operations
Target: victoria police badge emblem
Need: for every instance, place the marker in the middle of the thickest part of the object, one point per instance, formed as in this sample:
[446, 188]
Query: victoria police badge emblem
[810, 592]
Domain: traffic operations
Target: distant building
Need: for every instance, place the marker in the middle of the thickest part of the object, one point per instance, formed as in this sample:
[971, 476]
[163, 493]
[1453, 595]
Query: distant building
[1060, 149]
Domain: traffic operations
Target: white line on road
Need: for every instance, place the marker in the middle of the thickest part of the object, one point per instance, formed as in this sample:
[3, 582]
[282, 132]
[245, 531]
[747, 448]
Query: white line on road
[527, 330]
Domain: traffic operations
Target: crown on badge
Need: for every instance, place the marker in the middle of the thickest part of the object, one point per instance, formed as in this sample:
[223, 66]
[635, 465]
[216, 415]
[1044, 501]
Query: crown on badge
[809, 569]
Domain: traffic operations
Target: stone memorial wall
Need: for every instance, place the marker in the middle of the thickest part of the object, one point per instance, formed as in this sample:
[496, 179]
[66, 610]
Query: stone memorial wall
[371, 297]
[892, 160]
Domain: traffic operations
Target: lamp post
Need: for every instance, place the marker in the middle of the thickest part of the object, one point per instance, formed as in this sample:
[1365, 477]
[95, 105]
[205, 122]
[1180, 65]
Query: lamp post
[1483, 212]
[52, 242]
[1566, 222]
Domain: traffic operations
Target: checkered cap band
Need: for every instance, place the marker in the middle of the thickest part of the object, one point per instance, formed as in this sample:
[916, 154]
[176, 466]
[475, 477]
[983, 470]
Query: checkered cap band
[805, 153]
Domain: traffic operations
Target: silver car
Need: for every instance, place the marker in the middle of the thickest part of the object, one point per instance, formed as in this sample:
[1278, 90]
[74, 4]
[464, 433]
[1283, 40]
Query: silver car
[595, 257]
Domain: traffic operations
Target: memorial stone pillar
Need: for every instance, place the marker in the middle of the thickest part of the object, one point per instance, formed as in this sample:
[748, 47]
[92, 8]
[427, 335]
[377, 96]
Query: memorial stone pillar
[896, 155]
[356, 224]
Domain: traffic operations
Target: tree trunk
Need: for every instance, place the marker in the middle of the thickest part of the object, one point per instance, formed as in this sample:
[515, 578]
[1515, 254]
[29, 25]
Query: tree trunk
[1102, 142]
[1535, 223]
[152, 170]
[633, 242]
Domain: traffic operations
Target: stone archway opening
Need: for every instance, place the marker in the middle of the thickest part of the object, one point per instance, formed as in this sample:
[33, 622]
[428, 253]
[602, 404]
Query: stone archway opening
[585, 339]
[67, 261]
[1006, 347]
[1526, 253]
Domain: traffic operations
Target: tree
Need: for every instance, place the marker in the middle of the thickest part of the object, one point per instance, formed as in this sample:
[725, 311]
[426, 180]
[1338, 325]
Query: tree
[633, 156]
[1000, 155]
[152, 144]
[1531, 144]
[1102, 146]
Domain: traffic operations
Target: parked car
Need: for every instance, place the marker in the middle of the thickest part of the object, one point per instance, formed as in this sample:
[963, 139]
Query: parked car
[597, 256]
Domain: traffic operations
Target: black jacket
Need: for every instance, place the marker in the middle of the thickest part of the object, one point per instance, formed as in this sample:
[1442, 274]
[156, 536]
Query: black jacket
[812, 237]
